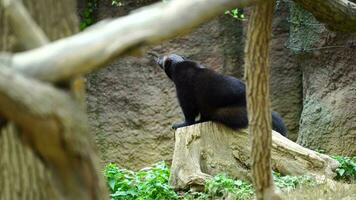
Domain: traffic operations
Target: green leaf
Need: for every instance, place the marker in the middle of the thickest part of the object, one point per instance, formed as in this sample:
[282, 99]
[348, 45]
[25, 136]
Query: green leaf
[111, 183]
[238, 182]
[341, 172]
[119, 193]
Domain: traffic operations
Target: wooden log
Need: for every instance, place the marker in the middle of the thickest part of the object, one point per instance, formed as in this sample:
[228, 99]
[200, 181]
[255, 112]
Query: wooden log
[206, 149]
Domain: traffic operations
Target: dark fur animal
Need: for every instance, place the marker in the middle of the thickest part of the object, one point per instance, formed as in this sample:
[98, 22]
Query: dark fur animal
[213, 96]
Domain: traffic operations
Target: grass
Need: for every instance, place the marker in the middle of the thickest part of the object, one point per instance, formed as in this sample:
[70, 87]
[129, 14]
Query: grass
[331, 190]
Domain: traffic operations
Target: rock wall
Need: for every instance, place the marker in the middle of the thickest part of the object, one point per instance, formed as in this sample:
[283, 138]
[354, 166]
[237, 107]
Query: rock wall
[286, 75]
[328, 120]
[328, 65]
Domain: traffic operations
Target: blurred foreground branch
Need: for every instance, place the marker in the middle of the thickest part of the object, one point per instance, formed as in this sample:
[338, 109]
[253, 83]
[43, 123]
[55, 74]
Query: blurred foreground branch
[91, 49]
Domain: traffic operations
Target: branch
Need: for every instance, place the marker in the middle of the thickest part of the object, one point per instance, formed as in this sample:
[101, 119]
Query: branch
[99, 45]
[25, 28]
[338, 15]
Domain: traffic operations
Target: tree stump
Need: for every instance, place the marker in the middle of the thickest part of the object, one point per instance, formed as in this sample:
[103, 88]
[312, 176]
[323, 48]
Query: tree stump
[206, 149]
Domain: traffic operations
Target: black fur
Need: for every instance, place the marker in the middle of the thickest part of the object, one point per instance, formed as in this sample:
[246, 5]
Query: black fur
[213, 96]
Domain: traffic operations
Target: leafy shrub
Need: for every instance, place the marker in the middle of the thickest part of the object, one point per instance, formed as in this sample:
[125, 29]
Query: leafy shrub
[148, 183]
[87, 15]
[221, 186]
[291, 182]
[151, 183]
[347, 169]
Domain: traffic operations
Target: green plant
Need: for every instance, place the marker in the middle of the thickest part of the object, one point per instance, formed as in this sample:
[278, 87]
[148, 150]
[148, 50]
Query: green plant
[236, 13]
[291, 182]
[220, 186]
[87, 16]
[117, 3]
[347, 169]
[193, 196]
[148, 183]
[151, 183]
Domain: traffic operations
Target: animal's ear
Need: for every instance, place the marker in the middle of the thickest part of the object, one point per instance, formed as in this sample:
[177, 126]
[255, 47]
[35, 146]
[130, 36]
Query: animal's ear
[160, 61]
[167, 63]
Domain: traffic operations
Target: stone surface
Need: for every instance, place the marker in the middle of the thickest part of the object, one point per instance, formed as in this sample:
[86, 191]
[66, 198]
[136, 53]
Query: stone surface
[328, 120]
[285, 74]
[328, 65]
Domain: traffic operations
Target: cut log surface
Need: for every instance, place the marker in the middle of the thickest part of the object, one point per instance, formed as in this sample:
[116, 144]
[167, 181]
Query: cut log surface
[206, 149]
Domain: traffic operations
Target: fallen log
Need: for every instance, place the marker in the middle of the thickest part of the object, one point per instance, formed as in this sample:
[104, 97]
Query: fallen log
[206, 149]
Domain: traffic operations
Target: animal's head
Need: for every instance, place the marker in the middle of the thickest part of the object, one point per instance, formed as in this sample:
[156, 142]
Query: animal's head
[169, 62]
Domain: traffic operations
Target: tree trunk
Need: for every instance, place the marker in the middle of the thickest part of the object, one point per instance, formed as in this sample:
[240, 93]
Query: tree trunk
[25, 173]
[209, 148]
[257, 94]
